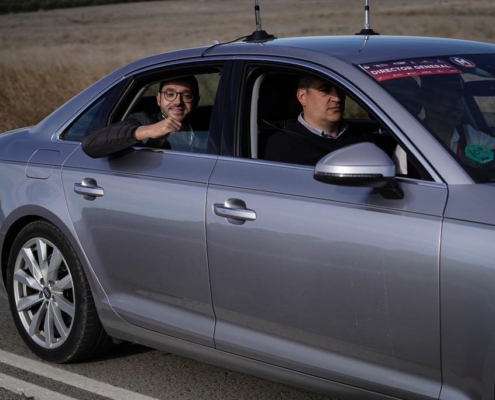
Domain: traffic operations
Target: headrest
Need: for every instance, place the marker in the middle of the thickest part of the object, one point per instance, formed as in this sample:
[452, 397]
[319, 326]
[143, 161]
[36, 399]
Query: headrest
[277, 98]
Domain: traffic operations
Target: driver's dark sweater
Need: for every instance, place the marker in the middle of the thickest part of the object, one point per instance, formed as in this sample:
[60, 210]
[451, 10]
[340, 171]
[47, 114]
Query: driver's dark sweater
[283, 147]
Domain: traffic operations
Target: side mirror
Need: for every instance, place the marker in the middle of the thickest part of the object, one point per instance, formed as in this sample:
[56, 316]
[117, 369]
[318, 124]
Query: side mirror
[362, 164]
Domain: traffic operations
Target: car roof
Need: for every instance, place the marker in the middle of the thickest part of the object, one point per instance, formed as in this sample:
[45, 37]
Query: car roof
[351, 49]
[359, 48]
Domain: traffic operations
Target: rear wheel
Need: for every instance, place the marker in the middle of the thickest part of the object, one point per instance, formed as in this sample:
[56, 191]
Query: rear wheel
[50, 298]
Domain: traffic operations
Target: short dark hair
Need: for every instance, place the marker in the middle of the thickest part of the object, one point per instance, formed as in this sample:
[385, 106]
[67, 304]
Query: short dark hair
[305, 82]
[191, 79]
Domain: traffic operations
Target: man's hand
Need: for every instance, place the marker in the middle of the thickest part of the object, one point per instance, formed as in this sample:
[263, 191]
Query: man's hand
[161, 128]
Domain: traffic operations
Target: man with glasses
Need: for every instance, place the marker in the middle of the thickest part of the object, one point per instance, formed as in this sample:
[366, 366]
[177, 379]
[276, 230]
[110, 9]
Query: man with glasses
[177, 98]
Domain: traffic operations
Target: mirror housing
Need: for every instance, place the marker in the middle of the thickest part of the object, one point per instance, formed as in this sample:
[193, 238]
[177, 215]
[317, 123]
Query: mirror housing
[362, 164]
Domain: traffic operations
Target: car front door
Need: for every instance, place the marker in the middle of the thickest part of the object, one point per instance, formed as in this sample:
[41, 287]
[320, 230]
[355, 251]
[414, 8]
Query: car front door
[332, 281]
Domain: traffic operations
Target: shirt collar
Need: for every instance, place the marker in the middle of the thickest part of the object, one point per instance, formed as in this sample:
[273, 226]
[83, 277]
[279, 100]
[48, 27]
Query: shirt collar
[343, 125]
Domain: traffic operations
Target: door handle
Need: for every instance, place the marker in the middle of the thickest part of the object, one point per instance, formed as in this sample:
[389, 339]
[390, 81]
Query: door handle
[89, 189]
[235, 211]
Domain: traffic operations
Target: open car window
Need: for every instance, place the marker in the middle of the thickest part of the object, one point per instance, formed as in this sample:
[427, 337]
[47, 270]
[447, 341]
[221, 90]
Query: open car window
[273, 130]
[139, 95]
[196, 138]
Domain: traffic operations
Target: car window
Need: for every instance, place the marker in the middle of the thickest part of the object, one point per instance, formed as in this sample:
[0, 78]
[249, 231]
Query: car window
[454, 98]
[196, 135]
[274, 132]
[93, 117]
[84, 123]
[138, 104]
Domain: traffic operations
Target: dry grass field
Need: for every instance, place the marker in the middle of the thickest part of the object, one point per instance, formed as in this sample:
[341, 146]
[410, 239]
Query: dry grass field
[47, 57]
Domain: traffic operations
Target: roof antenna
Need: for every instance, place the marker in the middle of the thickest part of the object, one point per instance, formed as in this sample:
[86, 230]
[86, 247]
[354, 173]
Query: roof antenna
[367, 31]
[259, 35]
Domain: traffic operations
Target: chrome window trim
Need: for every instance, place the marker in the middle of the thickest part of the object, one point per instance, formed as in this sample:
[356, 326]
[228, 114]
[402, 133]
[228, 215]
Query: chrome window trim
[174, 152]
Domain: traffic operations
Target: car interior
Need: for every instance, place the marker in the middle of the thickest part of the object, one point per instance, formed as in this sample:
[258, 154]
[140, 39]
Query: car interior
[274, 106]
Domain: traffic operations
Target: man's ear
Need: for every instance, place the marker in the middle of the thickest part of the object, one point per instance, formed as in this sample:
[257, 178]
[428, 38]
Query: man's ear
[301, 96]
[158, 98]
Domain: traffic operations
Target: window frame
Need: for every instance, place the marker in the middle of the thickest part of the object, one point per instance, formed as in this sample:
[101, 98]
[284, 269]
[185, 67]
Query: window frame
[109, 96]
[250, 65]
[133, 86]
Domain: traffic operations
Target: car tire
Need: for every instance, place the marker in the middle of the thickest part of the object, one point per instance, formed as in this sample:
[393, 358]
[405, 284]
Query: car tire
[50, 297]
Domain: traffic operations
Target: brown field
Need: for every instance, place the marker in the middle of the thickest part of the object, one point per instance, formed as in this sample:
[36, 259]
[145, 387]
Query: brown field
[47, 57]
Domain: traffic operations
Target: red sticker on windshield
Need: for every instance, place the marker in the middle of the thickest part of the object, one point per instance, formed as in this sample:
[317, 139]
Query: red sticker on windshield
[401, 69]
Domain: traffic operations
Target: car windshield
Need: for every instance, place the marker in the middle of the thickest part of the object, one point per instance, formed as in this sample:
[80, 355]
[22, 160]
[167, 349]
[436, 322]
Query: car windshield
[454, 98]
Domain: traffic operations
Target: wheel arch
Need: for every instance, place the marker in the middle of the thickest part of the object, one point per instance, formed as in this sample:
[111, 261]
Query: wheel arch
[9, 238]
[24, 215]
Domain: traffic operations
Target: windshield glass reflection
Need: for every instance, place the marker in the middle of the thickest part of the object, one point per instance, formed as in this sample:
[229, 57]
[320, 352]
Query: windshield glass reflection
[454, 98]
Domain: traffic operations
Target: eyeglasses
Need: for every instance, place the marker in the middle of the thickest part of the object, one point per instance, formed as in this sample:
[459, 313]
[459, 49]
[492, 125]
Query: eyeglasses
[171, 95]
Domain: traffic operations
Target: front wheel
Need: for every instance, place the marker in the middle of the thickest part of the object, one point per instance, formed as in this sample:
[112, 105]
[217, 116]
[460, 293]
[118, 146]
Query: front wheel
[50, 298]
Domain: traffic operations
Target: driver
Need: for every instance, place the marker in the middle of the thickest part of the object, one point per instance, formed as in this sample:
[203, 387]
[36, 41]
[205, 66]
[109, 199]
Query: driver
[319, 129]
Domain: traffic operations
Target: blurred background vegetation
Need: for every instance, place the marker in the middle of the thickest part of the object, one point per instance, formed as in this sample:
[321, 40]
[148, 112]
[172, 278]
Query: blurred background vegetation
[48, 56]
[15, 6]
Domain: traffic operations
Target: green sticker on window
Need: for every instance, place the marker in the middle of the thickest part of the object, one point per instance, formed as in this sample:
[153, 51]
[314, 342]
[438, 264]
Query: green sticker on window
[479, 153]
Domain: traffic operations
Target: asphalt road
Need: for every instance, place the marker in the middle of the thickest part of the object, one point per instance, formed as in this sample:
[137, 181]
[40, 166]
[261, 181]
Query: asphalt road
[128, 372]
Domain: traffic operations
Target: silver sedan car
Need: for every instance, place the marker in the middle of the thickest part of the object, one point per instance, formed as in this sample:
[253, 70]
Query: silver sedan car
[367, 273]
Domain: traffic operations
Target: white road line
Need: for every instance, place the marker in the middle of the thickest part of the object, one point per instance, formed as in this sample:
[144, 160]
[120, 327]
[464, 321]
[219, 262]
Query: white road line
[78, 381]
[29, 390]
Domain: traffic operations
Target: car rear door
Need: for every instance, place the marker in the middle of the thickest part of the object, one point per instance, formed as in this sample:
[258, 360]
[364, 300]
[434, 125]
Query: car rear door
[144, 236]
[140, 218]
